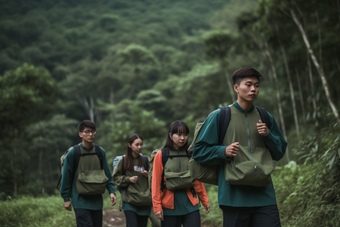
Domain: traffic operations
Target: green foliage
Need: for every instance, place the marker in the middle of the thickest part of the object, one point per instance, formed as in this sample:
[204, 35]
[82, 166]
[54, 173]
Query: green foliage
[29, 211]
[115, 135]
[218, 44]
[324, 146]
[23, 92]
[109, 22]
[307, 195]
[137, 66]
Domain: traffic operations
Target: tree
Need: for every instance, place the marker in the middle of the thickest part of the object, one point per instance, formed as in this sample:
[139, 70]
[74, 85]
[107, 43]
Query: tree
[217, 47]
[138, 57]
[28, 95]
[48, 141]
[315, 60]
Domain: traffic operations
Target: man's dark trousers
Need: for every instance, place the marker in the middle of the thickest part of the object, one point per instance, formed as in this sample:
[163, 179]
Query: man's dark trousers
[89, 218]
[266, 216]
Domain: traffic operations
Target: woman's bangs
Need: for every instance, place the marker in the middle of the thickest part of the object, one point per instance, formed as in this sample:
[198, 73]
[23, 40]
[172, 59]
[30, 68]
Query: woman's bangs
[180, 128]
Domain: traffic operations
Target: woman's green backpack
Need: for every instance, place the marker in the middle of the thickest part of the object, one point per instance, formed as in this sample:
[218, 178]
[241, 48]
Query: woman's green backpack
[173, 180]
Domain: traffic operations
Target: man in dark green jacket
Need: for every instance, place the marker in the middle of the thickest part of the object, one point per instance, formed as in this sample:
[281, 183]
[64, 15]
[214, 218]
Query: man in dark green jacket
[247, 140]
[87, 208]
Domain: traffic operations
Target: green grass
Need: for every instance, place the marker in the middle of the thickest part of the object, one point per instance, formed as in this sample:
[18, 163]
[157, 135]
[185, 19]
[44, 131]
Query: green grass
[37, 212]
[41, 212]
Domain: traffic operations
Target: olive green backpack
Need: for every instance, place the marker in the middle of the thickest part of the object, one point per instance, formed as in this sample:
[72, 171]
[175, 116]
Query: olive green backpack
[174, 180]
[209, 173]
[88, 182]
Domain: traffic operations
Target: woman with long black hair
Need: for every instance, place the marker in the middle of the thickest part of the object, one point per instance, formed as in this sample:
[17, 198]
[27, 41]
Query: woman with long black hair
[173, 190]
[131, 176]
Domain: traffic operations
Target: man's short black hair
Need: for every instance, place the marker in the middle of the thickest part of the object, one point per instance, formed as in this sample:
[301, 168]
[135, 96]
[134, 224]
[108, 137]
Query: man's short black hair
[239, 74]
[86, 123]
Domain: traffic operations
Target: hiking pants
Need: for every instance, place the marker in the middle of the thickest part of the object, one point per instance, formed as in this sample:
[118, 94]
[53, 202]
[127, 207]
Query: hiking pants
[267, 216]
[135, 220]
[189, 220]
[89, 218]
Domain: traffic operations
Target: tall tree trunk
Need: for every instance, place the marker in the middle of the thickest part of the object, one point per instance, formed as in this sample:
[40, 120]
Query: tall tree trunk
[133, 84]
[91, 109]
[300, 95]
[319, 39]
[311, 80]
[88, 106]
[291, 89]
[315, 61]
[277, 96]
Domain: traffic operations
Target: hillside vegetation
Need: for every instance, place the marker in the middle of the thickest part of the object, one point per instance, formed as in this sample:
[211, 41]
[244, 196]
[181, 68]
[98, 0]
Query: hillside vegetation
[135, 66]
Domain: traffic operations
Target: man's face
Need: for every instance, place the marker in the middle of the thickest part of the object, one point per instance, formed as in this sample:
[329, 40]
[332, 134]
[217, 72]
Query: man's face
[248, 89]
[87, 134]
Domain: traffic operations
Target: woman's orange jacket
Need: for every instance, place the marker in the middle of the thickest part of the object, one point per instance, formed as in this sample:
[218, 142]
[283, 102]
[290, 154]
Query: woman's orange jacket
[166, 197]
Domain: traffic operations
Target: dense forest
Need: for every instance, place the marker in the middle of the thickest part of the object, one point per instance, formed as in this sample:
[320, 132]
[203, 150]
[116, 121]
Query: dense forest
[135, 66]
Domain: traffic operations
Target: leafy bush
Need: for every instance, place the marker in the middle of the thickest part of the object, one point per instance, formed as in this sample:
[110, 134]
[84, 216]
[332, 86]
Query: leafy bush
[306, 195]
[309, 194]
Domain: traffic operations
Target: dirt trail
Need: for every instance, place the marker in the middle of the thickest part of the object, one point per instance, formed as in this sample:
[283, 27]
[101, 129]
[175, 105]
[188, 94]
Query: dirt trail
[114, 218]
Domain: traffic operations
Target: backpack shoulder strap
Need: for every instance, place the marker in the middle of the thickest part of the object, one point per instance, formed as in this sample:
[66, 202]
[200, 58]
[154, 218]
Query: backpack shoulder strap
[123, 170]
[165, 155]
[264, 116]
[76, 157]
[99, 154]
[225, 115]
[146, 163]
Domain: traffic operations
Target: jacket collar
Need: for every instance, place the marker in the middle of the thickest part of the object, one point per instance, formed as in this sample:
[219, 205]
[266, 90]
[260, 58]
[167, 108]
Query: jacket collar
[237, 106]
[83, 147]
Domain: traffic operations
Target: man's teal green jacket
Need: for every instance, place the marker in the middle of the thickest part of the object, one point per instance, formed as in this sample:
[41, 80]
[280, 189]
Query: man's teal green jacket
[89, 202]
[208, 151]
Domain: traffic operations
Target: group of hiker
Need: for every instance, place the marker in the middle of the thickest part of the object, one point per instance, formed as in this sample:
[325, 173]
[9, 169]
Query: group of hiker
[235, 148]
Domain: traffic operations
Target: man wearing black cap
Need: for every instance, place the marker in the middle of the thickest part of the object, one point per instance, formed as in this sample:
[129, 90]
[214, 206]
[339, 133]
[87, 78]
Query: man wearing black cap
[251, 143]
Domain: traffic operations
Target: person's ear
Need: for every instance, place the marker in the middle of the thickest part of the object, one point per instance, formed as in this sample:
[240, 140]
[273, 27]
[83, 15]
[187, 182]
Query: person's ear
[80, 134]
[129, 145]
[170, 135]
[236, 88]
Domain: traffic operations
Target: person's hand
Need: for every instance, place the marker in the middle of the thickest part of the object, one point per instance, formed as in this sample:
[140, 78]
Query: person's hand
[68, 205]
[207, 209]
[133, 179]
[232, 149]
[159, 215]
[262, 128]
[145, 173]
[113, 199]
